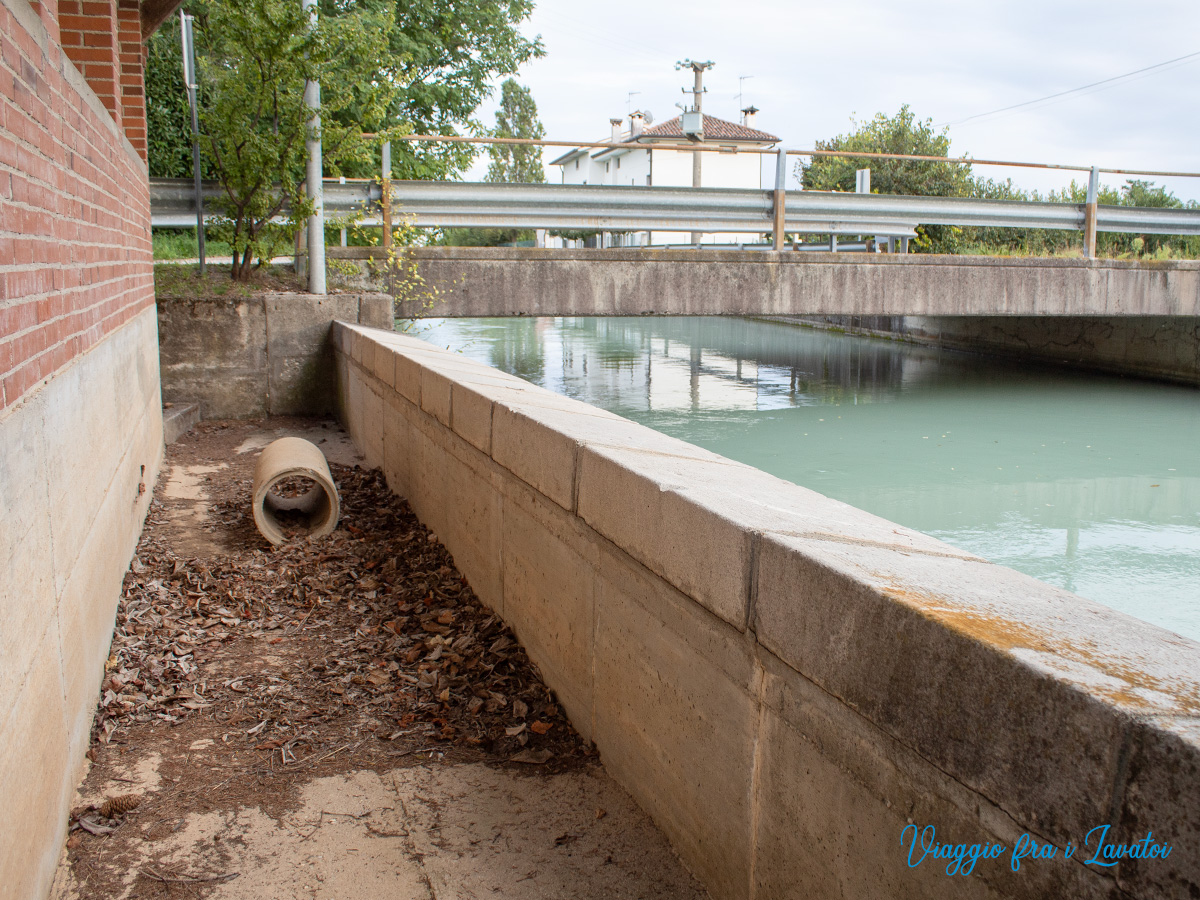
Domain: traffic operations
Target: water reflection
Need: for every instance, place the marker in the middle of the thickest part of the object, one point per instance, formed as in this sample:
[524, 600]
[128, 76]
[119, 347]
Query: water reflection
[1086, 482]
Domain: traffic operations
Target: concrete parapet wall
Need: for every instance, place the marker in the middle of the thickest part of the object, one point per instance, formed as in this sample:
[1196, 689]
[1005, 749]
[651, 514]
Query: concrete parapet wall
[78, 461]
[783, 681]
[504, 281]
[268, 354]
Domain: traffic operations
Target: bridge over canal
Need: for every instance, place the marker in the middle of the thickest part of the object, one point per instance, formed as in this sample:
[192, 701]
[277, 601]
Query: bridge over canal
[490, 281]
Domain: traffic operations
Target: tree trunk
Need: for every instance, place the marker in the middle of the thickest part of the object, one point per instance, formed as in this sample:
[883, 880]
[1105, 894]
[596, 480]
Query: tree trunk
[240, 270]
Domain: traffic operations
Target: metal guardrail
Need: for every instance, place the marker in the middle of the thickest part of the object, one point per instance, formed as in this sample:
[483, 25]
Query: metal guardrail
[614, 208]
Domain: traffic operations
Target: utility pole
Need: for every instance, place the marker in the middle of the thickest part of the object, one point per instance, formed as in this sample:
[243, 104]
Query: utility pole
[698, 107]
[316, 222]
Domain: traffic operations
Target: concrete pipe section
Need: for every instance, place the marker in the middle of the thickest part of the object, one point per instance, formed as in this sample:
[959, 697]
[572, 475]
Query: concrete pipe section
[283, 507]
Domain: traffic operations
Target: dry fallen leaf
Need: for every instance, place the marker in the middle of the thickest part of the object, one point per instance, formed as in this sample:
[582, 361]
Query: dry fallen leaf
[540, 727]
[532, 757]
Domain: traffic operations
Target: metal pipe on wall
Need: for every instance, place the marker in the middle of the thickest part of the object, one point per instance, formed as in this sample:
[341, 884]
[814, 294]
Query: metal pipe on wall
[316, 222]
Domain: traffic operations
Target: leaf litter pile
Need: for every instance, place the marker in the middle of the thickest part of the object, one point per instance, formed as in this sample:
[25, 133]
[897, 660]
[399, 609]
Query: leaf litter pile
[402, 638]
[362, 649]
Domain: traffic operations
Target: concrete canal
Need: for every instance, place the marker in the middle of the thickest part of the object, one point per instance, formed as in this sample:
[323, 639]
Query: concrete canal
[1087, 482]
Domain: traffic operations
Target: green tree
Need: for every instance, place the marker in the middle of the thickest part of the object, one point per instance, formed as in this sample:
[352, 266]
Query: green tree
[443, 57]
[254, 56]
[517, 117]
[904, 134]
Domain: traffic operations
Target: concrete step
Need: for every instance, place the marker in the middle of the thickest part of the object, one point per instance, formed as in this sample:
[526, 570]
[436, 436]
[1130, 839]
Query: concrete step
[178, 419]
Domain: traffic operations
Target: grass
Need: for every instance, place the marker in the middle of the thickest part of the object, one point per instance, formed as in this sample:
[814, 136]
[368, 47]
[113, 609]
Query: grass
[175, 281]
[182, 244]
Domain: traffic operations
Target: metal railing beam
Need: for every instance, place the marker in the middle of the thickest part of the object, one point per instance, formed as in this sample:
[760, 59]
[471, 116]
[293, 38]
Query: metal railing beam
[615, 208]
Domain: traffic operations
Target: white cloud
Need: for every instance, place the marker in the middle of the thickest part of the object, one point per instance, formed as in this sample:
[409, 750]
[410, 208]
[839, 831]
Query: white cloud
[817, 63]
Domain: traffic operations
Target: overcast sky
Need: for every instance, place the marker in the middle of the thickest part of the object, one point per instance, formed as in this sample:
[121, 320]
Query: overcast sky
[817, 64]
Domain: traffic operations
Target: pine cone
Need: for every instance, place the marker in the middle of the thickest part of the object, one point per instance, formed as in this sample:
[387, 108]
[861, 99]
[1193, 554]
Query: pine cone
[116, 806]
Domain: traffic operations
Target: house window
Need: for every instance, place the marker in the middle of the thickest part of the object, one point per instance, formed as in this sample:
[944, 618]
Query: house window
[606, 165]
[618, 162]
[577, 164]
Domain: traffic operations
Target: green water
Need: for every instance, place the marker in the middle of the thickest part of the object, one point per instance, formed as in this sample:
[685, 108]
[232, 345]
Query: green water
[1086, 482]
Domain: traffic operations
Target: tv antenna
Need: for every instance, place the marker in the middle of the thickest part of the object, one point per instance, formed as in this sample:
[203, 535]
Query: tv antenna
[741, 78]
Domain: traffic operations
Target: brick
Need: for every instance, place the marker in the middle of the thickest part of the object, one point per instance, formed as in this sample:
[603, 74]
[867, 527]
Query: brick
[14, 319]
[65, 196]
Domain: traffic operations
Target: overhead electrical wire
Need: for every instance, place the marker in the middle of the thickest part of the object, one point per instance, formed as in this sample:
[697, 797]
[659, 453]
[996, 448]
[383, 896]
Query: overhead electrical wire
[1094, 84]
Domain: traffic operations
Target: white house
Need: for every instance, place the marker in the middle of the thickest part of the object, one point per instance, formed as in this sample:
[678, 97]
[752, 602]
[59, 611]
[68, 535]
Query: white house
[636, 157]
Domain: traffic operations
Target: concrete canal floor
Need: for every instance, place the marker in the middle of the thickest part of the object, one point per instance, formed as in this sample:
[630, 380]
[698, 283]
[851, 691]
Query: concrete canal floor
[337, 718]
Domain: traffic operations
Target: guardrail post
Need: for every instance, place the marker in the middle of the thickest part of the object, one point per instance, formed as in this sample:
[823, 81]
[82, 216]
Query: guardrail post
[386, 200]
[833, 243]
[1089, 214]
[780, 201]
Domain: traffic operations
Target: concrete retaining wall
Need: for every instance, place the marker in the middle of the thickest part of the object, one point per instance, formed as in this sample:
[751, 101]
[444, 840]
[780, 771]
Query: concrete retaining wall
[268, 354]
[1160, 347]
[504, 281]
[78, 461]
[785, 682]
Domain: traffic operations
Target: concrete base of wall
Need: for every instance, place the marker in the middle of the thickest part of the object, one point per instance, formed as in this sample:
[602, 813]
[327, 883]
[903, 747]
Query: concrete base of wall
[264, 355]
[78, 462]
[783, 682]
[1166, 348]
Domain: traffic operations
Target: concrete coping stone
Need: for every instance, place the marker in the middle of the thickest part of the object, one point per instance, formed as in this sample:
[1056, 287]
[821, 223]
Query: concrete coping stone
[1022, 691]
[787, 257]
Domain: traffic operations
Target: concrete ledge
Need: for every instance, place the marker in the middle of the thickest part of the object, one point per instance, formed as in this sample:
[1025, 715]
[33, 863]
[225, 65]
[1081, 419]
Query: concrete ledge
[178, 420]
[784, 682]
[505, 281]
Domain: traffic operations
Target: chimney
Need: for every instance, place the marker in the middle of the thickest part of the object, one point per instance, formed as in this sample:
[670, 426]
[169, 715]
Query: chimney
[637, 122]
[616, 129]
[748, 116]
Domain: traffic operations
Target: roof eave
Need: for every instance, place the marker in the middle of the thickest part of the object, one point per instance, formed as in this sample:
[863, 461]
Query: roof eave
[577, 153]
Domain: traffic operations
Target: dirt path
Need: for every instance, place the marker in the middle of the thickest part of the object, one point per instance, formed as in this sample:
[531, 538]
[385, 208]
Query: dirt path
[337, 718]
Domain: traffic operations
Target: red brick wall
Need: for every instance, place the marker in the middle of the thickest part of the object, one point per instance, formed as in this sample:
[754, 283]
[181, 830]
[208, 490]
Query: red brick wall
[75, 251]
[131, 58]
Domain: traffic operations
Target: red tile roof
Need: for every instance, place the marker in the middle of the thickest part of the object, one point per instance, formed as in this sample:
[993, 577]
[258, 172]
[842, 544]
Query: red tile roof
[714, 130]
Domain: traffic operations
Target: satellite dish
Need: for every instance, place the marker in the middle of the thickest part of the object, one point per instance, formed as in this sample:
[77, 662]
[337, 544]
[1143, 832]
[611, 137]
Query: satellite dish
[648, 116]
